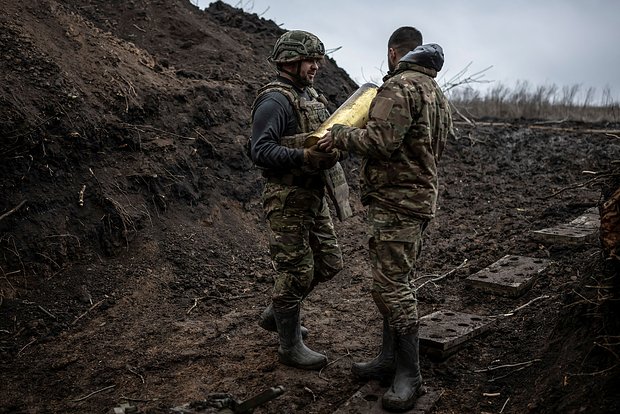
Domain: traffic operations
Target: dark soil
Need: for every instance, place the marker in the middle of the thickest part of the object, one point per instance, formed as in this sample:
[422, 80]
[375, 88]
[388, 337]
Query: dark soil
[133, 250]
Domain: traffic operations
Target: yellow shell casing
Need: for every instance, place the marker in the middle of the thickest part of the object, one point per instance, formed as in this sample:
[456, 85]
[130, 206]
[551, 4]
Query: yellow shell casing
[353, 112]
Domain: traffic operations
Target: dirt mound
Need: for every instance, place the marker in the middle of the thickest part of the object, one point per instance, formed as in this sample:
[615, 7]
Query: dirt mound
[114, 111]
[134, 257]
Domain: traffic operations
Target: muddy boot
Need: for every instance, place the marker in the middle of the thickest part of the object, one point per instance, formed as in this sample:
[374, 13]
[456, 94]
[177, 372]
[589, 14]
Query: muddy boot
[293, 351]
[407, 384]
[382, 367]
[267, 321]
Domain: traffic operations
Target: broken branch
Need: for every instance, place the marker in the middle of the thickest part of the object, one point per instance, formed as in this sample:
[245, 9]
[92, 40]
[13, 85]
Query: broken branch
[518, 364]
[311, 392]
[89, 309]
[462, 116]
[133, 371]
[504, 406]
[13, 210]
[440, 277]
[123, 397]
[333, 362]
[81, 196]
[47, 312]
[193, 306]
[522, 306]
[93, 393]
[585, 183]
[24, 347]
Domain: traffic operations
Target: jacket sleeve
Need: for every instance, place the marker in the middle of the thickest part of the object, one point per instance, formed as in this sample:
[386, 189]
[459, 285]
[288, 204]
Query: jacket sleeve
[390, 117]
[273, 118]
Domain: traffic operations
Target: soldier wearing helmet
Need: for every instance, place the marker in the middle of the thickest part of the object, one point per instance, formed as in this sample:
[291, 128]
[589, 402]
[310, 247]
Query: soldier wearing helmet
[298, 54]
[303, 245]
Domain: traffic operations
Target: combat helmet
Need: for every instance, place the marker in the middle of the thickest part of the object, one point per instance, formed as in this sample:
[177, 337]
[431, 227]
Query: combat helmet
[297, 45]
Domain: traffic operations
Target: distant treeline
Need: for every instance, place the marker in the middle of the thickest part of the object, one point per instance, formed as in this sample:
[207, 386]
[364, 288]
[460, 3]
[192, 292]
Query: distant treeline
[571, 103]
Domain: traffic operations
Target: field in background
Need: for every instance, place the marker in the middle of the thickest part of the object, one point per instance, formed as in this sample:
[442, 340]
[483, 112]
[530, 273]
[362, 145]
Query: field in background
[525, 101]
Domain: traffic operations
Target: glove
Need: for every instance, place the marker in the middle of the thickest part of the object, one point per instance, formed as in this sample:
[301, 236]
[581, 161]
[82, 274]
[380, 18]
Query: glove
[336, 129]
[320, 160]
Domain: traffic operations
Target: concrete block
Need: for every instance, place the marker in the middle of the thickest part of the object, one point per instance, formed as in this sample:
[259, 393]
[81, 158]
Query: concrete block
[583, 229]
[442, 333]
[368, 400]
[509, 276]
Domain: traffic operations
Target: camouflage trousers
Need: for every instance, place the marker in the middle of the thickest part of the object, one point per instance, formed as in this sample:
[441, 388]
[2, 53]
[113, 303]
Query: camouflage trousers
[395, 242]
[303, 245]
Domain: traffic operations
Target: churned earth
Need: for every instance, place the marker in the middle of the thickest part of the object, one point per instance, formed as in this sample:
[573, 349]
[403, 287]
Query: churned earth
[134, 256]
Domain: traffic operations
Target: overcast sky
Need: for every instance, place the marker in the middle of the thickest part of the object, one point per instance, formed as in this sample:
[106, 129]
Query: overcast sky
[543, 42]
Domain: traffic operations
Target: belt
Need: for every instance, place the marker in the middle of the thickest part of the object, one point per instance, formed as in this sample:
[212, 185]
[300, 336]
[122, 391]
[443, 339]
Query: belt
[303, 181]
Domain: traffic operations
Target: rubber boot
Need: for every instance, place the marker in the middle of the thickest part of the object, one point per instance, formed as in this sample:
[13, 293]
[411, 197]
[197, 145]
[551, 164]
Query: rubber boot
[382, 367]
[292, 350]
[407, 384]
[267, 321]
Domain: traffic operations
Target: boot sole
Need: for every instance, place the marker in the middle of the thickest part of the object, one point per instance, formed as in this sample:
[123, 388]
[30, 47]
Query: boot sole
[399, 406]
[312, 367]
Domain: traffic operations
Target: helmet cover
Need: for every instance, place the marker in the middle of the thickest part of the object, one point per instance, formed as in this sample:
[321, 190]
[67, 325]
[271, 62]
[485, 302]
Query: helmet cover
[297, 45]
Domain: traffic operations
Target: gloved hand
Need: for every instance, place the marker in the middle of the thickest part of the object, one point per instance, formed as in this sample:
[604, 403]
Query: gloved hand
[320, 160]
[336, 129]
[326, 143]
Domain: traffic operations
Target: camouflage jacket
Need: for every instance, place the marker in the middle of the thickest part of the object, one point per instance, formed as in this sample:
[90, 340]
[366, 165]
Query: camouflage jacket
[282, 115]
[409, 123]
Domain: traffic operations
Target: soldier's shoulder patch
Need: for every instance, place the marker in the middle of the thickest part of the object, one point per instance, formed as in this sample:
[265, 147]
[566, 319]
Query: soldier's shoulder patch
[382, 107]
